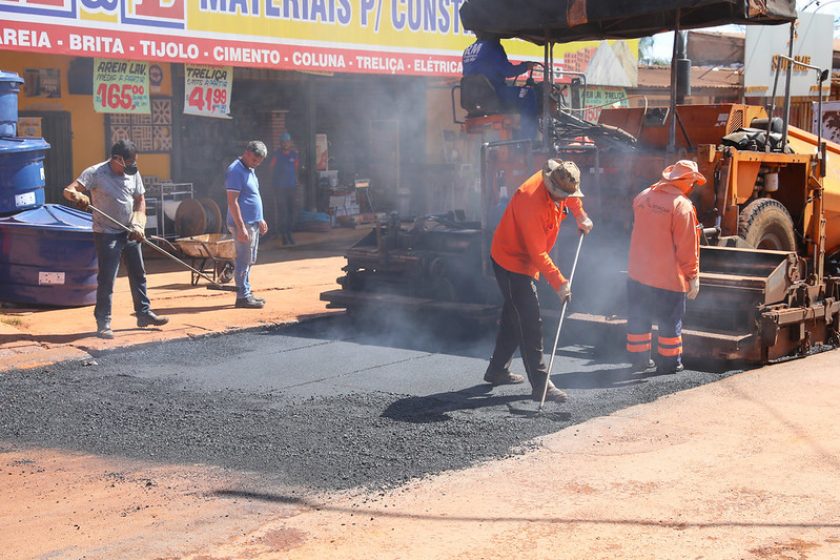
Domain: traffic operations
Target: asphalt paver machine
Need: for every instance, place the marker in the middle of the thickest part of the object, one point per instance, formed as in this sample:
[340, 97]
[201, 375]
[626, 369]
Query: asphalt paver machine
[770, 254]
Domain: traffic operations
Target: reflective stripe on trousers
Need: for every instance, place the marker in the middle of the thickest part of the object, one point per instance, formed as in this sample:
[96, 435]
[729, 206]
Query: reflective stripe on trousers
[669, 346]
[638, 342]
[647, 305]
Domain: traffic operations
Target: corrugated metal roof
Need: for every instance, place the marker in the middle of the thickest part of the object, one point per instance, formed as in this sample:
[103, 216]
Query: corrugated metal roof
[660, 77]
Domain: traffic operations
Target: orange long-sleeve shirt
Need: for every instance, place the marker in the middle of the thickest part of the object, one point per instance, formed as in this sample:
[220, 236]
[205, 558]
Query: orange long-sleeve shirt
[528, 230]
[665, 244]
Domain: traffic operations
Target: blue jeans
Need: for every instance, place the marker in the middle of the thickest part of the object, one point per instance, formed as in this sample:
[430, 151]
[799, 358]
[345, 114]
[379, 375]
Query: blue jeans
[246, 255]
[109, 248]
[646, 305]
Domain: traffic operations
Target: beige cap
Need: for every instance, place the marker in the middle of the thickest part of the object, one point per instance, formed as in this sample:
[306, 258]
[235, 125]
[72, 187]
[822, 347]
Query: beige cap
[684, 170]
[562, 178]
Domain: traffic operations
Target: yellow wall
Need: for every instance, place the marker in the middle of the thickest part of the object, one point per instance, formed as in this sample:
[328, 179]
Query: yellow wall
[88, 126]
[446, 141]
[439, 118]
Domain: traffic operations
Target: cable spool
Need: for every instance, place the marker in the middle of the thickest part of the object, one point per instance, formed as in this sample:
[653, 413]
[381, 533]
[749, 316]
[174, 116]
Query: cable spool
[197, 216]
[214, 215]
[170, 208]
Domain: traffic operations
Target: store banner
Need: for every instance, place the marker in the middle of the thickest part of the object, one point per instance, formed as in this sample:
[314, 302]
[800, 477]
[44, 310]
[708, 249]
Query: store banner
[812, 45]
[207, 91]
[121, 86]
[29, 127]
[598, 98]
[401, 37]
[322, 152]
[830, 120]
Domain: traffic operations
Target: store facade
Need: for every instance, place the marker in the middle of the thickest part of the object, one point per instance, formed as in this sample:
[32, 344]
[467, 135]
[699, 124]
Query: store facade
[363, 88]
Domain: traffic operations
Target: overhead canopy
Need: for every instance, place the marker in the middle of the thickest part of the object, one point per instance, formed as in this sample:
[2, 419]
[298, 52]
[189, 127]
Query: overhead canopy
[563, 21]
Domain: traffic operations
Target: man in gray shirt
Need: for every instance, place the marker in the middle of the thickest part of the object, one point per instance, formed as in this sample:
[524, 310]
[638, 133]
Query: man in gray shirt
[117, 190]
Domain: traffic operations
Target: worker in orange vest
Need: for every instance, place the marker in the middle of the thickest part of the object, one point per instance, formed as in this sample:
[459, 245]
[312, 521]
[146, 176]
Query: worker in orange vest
[520, 253]
[663, 267]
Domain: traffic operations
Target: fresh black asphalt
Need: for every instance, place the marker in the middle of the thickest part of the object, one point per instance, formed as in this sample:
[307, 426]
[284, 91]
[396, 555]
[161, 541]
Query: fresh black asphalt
[325, 404]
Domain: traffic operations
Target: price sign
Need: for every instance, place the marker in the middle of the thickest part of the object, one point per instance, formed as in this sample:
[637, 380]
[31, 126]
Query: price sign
[120, 86]
[207, 90]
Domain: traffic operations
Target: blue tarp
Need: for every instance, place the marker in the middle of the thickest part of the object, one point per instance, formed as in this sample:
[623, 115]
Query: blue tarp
[50, 216]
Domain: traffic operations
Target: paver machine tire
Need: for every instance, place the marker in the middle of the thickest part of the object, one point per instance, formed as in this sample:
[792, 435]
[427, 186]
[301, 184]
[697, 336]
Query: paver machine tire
[766, 224]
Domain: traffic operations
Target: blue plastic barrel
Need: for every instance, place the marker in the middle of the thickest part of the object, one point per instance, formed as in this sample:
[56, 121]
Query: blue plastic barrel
[47, 257]
[9, 88]
[21, 173]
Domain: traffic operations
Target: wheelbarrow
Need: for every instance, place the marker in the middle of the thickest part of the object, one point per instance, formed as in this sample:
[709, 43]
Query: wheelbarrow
[210, 253]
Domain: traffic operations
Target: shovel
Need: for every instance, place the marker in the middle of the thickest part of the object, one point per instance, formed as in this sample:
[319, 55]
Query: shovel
[162, 251]
[560, 325]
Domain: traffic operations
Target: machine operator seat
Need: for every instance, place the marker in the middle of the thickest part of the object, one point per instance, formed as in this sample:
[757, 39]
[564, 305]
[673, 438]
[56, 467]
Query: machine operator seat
[478, 98]
[776, 125]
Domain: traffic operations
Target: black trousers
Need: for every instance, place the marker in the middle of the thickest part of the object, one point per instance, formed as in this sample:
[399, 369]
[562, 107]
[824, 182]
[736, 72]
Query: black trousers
[520, 327]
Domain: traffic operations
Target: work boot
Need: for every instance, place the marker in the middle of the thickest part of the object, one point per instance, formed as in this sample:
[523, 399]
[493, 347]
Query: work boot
[249, 302]
[503, 378]
[553, 394]
[641, 366]
[149, 319]
[670, 370]
[104, 331]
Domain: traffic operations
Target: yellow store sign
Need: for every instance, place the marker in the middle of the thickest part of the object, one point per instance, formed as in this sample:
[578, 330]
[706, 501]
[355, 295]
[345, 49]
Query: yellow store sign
[406, 37]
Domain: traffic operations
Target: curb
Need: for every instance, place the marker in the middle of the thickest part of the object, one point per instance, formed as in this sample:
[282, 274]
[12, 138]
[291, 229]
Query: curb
[31, 356]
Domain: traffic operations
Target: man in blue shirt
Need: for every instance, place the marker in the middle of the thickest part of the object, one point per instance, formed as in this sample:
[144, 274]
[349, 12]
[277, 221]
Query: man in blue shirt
[284, 168]
[487, 56]
[245, 218]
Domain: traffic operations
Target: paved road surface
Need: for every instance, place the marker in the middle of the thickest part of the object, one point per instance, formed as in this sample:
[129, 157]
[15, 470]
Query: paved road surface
[296, 444]
[320, 405]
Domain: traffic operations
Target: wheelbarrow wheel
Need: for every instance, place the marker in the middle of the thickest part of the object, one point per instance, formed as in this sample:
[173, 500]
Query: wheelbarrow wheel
[225, 272]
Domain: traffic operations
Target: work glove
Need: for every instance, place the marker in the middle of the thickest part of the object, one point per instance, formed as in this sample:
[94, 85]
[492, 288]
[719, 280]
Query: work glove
[585, 225]
[564, 292]
[693, 287]
[138, 226]
[80, 200]
[137, 233]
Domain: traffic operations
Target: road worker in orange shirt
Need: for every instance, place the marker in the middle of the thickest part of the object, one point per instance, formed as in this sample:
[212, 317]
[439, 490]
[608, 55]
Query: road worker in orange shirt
[520, 253]
[663, 267]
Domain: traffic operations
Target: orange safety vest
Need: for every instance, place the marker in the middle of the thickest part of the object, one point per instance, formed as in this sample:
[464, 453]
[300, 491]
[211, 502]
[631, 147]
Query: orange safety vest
[528, 230]
[665, 244]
